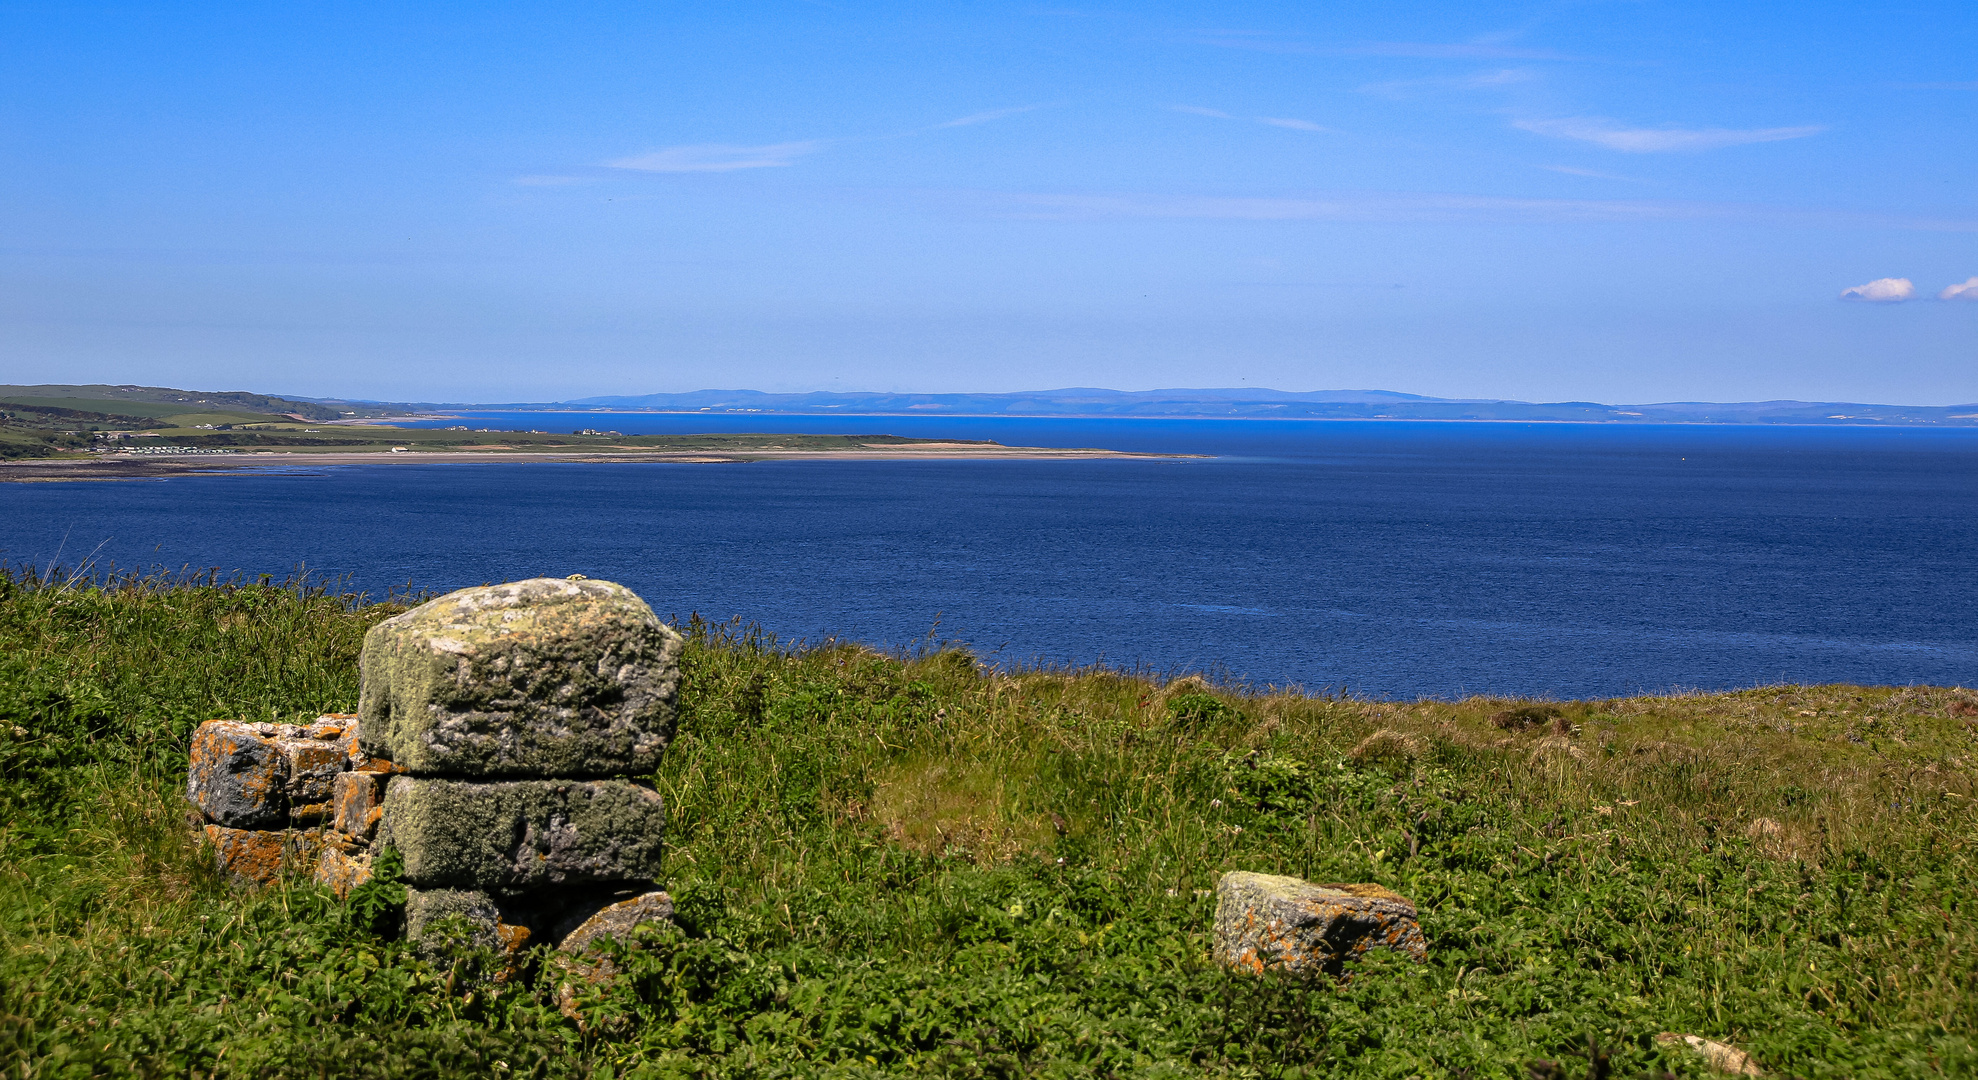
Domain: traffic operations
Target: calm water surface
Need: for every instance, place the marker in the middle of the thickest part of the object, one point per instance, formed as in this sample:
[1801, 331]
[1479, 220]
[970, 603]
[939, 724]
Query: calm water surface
[1390, 559]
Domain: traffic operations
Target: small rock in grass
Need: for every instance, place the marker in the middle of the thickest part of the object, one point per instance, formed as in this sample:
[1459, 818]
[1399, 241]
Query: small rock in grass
[1721, 1057]
[613, 920]
[1270, 923]
[545, 677]
[522, 834]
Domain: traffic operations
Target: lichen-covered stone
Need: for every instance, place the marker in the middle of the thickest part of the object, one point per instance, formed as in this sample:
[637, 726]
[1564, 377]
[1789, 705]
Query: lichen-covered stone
[342, 866]
[476, 909]
[486, 920]
[614, 920]
[522, 834]
[316, 756]
[1270, 923]
[358, 802]
[266, 776]
[545, 677]
[238, 775]
[251, 856]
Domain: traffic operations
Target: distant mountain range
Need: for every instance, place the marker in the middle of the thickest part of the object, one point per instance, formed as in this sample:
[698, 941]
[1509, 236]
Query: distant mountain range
[1265, 404]
[1233, 403]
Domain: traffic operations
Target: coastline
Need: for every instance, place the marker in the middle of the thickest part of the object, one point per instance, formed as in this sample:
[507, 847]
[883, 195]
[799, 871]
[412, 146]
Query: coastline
[163, 466]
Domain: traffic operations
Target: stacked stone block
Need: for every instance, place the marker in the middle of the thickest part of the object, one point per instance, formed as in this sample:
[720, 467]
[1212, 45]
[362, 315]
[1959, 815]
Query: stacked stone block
[519, 717]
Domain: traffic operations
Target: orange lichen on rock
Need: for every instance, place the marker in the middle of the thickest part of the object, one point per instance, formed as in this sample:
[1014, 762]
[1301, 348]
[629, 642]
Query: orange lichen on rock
[342, 869]
[264, 791]
[254, 856]
[359, 802]
[1269, 923]
[238, 775]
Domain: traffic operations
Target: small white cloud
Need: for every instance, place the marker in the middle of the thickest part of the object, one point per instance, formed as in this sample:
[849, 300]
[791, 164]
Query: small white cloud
[718, 157]
[985, 117]
[1591, 174]
[1197, 110]
[1967, 291]
[1888, 290]
[1295, 125]
[1659, 140]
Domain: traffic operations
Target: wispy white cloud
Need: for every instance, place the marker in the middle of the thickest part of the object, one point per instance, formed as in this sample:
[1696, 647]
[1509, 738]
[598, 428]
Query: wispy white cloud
[1404, 207]
[718, 157]
[1482, 81]
[1968, 291]
[1347, 206]
[1273, 121]
[1295, 125]
[1888, 290]
[984, 117]
[1591, 174]
[1607, 133]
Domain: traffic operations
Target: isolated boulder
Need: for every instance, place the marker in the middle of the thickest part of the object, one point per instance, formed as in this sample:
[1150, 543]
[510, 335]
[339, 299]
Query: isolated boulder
[522, 834]
[545, 677]
[1266, 923]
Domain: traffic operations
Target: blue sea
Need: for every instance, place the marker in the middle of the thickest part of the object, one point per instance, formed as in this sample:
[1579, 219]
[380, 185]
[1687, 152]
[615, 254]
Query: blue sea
[1388, 559]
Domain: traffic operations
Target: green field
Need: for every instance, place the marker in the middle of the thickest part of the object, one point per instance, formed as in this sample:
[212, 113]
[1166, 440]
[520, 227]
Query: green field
[919, 866]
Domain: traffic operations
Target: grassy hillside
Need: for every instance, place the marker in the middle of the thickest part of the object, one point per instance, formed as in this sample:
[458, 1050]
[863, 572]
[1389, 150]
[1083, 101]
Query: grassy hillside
[917, 866]
[39, 426]
[52, 419]
[166, 401]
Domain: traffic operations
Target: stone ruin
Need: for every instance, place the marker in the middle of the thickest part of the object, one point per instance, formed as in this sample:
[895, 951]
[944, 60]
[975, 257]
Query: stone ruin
[499, 735]
[497, 744]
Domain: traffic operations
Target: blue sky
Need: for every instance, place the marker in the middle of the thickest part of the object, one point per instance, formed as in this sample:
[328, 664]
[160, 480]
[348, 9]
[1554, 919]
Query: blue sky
[1608, 201]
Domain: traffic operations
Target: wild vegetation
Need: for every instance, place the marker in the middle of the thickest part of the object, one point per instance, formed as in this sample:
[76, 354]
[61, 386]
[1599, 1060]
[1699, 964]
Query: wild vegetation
[915, 865]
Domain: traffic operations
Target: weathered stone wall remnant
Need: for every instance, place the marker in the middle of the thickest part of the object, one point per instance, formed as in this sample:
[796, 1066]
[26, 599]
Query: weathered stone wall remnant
[273, 794]
[1267, 923]
[498, 747]
[519, 715]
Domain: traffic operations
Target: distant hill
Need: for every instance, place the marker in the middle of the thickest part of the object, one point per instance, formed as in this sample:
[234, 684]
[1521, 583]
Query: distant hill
[1265, 403]
[147, 402]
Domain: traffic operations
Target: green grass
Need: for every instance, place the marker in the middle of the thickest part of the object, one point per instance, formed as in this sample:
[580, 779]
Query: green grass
[892, 866]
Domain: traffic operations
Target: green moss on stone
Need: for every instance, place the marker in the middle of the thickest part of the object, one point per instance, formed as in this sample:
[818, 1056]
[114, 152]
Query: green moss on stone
[524, 834]
[545, 677]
